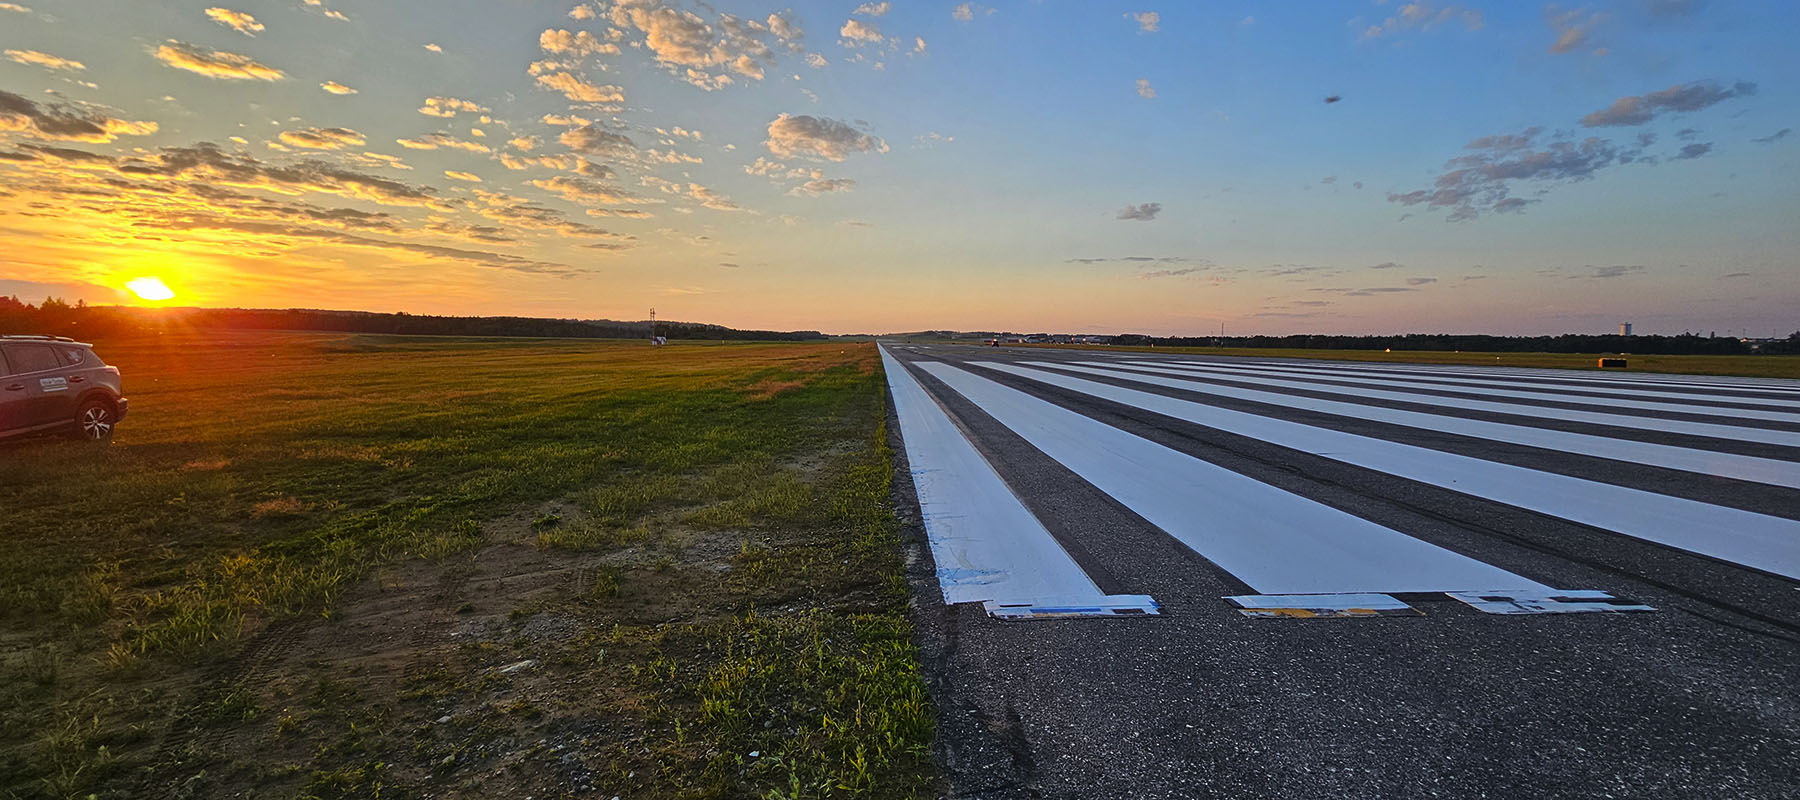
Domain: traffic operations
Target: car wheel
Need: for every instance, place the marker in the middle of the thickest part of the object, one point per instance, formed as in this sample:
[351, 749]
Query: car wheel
[94, 422]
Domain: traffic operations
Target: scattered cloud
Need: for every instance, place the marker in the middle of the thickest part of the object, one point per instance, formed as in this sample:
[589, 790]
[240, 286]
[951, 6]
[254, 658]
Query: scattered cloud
[433, 47]
[1774, 137]
[434, 141]
[1143, 212]
[805, 136]
[819, 186]
[37, 58]
[1615, 271]
[462, 176]
[448, 106]
[1147, 20]
[874, 9]
[236, 20]
[336, 88]
[322, 138]
[1694, 150]
[14, 7]
[1485, 179]
[215, 63]
[580, 91]
[586, 191]
[1425, 15]
[319, 6]
[1144, 89]
[591, 139]
[65, 123]
[963, 12]
[857, 33]
[1386, 265]
[1572, 27]
[703, 54]
[1168, 273]
[1420, 281]
[583, 43]
[1639, 109]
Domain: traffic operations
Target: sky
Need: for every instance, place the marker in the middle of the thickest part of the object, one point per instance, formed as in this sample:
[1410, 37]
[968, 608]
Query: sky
[1355, 167]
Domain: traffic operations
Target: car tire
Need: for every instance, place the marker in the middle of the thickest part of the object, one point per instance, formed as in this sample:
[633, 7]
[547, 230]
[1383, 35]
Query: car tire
[94, 422]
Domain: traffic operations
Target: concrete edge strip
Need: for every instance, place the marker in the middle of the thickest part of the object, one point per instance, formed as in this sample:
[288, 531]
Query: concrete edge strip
[1320, 606]
[1570, 601]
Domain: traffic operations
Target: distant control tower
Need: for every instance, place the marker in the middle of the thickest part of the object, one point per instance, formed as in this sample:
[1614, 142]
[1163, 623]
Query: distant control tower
[1624, 329]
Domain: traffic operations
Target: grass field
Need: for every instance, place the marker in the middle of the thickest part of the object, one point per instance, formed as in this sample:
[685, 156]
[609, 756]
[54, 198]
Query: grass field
[1745, 366]
[336, 566]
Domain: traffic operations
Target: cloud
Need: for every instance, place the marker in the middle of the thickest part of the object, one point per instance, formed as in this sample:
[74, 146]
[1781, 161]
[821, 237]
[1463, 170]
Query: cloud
[856, 32]
[14, 7]
[592, 139]
[711, 199]
[215, 63]
[580, 91]
[448, 106]
[41, 59]
[1694, 150]
[582, 11]
[587, 191]
[65, 123]
[1167, 273]
[1639, 109]
[819, 137]
[1774, 137]
[319, 5]
[206, 162]
[696, 51]
[433, 47]
[433, 141]
[1615, 271]
[819, 186]
[1147, 20]
[1425, 15]
[816, 61]
[563, 42]
[462, 176]
[1420, 281]
[336, 88]
[1143, 212]
[322, 138]
[236, 20]
[1144, 89]
[1484, 179]
[874, 9]
[1386, 265]
[964, 12]
[1572, 27]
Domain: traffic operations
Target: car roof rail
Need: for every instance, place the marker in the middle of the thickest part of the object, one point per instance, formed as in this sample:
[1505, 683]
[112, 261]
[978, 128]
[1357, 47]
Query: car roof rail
[39, 337]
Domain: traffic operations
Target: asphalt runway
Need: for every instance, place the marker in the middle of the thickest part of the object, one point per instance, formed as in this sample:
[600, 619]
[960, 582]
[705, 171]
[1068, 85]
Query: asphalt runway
[1083, 516]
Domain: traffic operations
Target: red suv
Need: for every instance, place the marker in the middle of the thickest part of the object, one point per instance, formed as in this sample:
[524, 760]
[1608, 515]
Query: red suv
[51, 384]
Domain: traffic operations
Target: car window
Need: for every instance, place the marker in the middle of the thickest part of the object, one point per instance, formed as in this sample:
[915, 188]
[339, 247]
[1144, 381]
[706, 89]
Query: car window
[72, 356]
[4, 370]
[31, 357]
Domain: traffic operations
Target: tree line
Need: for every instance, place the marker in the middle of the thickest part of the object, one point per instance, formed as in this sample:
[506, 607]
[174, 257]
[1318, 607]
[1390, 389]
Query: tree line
[81, 321]
[1684, 344]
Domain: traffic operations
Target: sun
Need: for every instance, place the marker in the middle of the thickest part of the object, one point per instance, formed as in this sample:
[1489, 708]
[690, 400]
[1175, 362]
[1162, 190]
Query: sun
[150, 288]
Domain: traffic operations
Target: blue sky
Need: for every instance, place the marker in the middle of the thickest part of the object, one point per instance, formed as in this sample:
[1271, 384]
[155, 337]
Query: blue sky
[1490, 167]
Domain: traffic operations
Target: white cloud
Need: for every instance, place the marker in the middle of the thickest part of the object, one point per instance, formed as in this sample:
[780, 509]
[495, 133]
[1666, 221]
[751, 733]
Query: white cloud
[433, 47]
[819, 137]
[41, 59]
[448, 106]
[215, 63]
[1147, 20]
[1425, 15]
[874, 9]
[580, 91]
[236, 20]
[856, 32]
[322, 138]
[577, 44]
[462, 176]
[336, 88]
[583, 11]
[1144, 88]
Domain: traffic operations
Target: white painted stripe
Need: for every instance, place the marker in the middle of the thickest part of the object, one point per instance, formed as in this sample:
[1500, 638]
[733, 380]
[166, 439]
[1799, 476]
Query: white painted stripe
[1765, 542]
[1275, 541]
[987, 545]
[1693, 405]
[1773, 472]
[1708, 429]
[1707, 383]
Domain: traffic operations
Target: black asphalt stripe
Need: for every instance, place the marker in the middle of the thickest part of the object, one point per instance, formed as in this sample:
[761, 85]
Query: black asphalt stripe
[1761, 498]
[1523, 417]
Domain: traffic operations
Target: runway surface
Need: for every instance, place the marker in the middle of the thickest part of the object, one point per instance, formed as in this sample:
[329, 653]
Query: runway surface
[1187, 576]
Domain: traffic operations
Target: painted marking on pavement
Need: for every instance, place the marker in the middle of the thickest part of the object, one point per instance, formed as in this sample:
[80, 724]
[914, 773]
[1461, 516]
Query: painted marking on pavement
[988, 547]
[1759, 541]
[1274, 540]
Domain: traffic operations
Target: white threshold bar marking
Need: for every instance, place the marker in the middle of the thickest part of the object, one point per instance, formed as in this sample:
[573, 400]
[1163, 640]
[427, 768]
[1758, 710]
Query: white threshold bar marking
[1761, 541]
[1773, 472]
[1274, 540]
[1708, 429]
[988, 547]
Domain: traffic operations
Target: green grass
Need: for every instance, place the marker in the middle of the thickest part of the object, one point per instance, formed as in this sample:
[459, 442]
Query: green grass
[1783, 366]
[263, 478]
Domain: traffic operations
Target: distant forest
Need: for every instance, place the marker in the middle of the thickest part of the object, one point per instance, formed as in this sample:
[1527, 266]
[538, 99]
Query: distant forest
[80, 321]
[1684, 344]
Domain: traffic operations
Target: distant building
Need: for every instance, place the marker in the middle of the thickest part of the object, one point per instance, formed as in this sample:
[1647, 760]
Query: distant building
[1624, 329]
